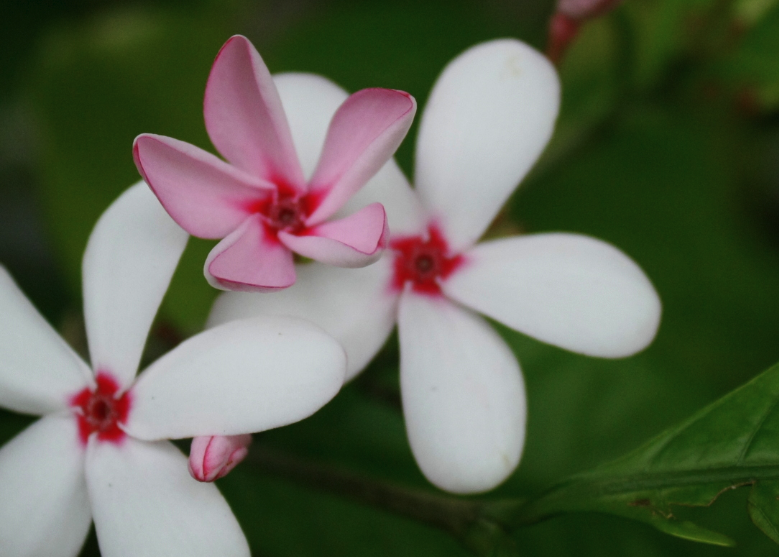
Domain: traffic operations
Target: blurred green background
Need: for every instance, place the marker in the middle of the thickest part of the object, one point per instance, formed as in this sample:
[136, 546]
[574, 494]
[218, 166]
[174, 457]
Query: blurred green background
[667, 146]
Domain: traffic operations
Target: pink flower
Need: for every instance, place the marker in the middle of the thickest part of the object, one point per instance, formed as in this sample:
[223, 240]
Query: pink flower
[99, 451]
[260, 203]
[488, 119]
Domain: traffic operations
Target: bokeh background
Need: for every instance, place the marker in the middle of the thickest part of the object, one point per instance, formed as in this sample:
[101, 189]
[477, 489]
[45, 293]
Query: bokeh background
[667, 146]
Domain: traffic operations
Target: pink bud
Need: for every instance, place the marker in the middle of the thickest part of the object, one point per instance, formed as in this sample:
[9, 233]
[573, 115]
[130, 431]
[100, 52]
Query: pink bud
[212, 457]
[565, 23]
[562, 31]
[585, 9]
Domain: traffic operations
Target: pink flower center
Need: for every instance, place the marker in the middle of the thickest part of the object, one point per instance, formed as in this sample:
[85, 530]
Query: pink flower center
[287, 214]
[423, 261]
[286, 210]
[101, 410]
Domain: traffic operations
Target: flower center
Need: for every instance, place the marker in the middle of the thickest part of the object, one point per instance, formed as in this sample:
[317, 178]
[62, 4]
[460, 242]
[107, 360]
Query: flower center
[100, 410]
[285, 214]
[423, 261]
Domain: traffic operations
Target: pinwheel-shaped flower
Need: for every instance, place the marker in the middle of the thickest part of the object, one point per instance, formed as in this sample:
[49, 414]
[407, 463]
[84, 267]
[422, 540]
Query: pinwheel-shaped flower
[99, 451]
[489, 116]
[261, 203]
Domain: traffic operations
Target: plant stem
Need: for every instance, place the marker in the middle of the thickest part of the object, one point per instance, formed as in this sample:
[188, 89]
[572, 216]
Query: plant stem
[448, 513]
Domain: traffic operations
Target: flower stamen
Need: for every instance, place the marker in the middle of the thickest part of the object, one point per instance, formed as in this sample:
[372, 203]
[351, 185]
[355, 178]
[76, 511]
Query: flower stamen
[101, 410]
[423, 261]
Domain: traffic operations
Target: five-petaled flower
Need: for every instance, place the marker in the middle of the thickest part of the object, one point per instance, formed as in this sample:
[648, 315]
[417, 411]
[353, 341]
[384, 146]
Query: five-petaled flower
[261, 204]
[99, 451]
[489, 117]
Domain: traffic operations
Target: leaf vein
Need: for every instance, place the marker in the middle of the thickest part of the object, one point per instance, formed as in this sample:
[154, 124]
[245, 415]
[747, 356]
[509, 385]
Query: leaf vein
[759, 425]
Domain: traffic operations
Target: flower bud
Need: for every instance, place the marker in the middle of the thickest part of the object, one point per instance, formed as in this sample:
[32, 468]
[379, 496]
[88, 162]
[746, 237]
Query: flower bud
[566, 21]
[585, 9]
[212, 457]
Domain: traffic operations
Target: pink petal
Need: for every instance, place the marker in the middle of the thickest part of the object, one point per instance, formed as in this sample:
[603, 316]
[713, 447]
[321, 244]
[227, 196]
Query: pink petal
[213, 457]
[145, 503]
[244, 116]
[44, 509]
[353, 305]
[364, 134]
[206, 196]
[355, 241]
[250, 260]
[310, 101]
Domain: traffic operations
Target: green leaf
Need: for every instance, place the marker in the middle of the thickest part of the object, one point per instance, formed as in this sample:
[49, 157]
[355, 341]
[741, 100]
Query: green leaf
[729, 444]
[764, 508]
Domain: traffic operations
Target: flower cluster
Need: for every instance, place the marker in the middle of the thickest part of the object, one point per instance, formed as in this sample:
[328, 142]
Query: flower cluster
[489, 116]
[310, 171]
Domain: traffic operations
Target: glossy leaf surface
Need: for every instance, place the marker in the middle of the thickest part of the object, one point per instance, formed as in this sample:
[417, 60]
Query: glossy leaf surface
[727, 445]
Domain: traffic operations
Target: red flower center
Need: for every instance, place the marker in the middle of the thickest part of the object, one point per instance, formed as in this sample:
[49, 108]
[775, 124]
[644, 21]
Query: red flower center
[285, 210]
[287, 214]
[423, 261]
[101, 410]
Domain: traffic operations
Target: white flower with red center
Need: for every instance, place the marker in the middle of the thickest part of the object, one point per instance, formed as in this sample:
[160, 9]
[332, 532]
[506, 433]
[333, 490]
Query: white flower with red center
[100, 452]
[262, 204]
[489, 117]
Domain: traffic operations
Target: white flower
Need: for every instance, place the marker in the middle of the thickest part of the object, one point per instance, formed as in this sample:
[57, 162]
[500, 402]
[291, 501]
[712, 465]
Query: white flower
[489, 117]
[99, 451]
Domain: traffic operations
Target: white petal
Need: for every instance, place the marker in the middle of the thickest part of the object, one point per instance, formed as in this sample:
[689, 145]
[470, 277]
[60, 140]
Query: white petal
[310, 102]
[353, 305]
[569, 290]
[44, 510]
[38, 370]
[241, 377]
[489, 116]
[128, 264]
[145, 503]
[390, 187]
[463, 395]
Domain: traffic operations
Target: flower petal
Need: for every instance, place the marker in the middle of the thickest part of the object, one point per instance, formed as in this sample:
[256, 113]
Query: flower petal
[390, 188]
[244, 116]
[364, 134]
[129, 261]
[463, 395]
[489, 116]
[353, 305]
[38, 370]
[206, 196]
[241, 377]
[214, 456]
[145, 503]
[354, 241]
[249, 260]
[44, 508]
[310, 102]
[572, 291]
